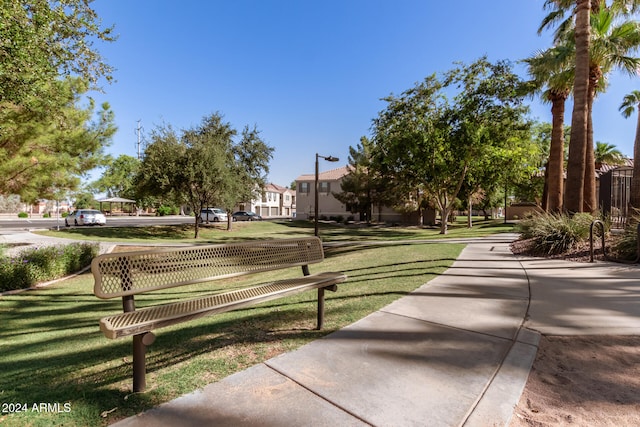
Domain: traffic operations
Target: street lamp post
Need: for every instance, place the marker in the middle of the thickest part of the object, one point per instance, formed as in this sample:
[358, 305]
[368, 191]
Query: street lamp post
[315, 217]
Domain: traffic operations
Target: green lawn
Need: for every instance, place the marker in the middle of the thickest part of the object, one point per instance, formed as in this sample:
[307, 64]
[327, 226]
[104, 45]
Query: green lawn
[54, 353]
[330, 232]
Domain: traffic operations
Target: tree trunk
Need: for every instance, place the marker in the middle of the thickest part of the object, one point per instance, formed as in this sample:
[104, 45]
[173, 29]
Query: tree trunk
[555, 187]
[634, 200]
[469, 220]
[545, 189]
[444, 220]
[197, 227]
[589, 204]
[574, 194]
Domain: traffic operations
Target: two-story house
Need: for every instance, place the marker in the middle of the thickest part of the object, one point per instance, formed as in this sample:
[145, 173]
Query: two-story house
[328, 205]
[274, 201]
[330, 182]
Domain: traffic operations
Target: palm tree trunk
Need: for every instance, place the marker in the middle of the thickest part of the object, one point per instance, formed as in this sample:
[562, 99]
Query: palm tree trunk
[545, 189]
[556, 156]
[634, 200]
[574, 195]
[589, 204]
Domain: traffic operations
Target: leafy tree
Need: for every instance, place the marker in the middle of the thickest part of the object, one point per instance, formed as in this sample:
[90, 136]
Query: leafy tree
[425, 141]
[363, 188]
[47, 63]
[630, 103]
[83, 199]
[117, 178]
[203, 167]
[41, 40]
[48, 148]
[249, 167]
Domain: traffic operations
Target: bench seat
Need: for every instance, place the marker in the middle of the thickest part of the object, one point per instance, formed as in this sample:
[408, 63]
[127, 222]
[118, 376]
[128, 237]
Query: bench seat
[130, 274]
[147, 319]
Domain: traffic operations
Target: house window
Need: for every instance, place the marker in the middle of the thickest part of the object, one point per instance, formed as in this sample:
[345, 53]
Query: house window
[323, 187]
[304, 187]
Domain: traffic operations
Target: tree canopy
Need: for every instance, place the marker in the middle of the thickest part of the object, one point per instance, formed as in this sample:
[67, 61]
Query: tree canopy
[46, 148]
[117, 180]
[42, 40]
[467, 127]
[50, 133]
[203, 166]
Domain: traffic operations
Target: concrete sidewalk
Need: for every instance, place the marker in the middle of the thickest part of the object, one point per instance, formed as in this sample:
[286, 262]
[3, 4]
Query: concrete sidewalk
[451, 353]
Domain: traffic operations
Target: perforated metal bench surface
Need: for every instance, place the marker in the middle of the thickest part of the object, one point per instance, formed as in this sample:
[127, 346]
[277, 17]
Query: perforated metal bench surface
[147, 319]
[129, 273]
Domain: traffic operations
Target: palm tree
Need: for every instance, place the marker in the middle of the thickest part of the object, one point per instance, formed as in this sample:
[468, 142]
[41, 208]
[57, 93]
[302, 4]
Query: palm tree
[607, 154]
[609, 47]
[574, 194]
[552, 72]
[629, 104]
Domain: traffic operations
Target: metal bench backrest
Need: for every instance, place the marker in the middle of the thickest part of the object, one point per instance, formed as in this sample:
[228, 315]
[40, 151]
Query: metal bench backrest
[130, 273]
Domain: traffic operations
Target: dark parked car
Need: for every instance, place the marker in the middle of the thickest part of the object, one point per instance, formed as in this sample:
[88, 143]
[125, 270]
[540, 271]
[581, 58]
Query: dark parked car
[246, 216]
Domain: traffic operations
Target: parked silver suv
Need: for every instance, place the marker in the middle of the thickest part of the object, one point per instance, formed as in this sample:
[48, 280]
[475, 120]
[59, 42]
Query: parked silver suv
[212, 215]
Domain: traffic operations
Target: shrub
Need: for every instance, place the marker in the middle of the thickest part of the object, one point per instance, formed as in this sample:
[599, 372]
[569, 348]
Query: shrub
[626, 246]
[167, 210]
[41, 264]
[23, 215]
[553, 234]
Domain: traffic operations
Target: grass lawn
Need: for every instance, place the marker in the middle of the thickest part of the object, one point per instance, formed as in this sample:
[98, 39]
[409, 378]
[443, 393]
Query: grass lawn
[54, 353]
[330, 232]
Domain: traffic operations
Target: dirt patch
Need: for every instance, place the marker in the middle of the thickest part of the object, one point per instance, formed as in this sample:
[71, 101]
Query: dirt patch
[582, 381]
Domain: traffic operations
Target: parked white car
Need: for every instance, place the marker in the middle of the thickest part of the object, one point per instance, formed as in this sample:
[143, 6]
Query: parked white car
[213, 215]
[85, 217]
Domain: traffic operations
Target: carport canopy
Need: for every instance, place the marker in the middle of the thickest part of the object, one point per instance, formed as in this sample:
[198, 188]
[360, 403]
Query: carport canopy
[120, 200]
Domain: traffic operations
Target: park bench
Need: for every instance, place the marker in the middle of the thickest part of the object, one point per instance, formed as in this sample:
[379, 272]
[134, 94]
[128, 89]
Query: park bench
[127, 274]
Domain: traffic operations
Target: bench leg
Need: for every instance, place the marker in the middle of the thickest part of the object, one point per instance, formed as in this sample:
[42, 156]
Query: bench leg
[331, 288]
[140, 343]
[139, 364]
[320, 322]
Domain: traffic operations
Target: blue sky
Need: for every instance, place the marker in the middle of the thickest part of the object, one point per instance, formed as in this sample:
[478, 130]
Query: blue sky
[310, 74]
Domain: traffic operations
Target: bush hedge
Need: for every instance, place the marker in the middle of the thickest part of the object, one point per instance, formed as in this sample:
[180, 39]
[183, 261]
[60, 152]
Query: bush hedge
[37, 265]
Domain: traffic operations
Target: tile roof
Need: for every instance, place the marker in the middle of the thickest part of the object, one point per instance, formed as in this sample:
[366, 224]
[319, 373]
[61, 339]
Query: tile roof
[330, 175]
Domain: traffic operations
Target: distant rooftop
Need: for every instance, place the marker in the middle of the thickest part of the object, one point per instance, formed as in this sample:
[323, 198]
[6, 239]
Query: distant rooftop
[330, 175]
